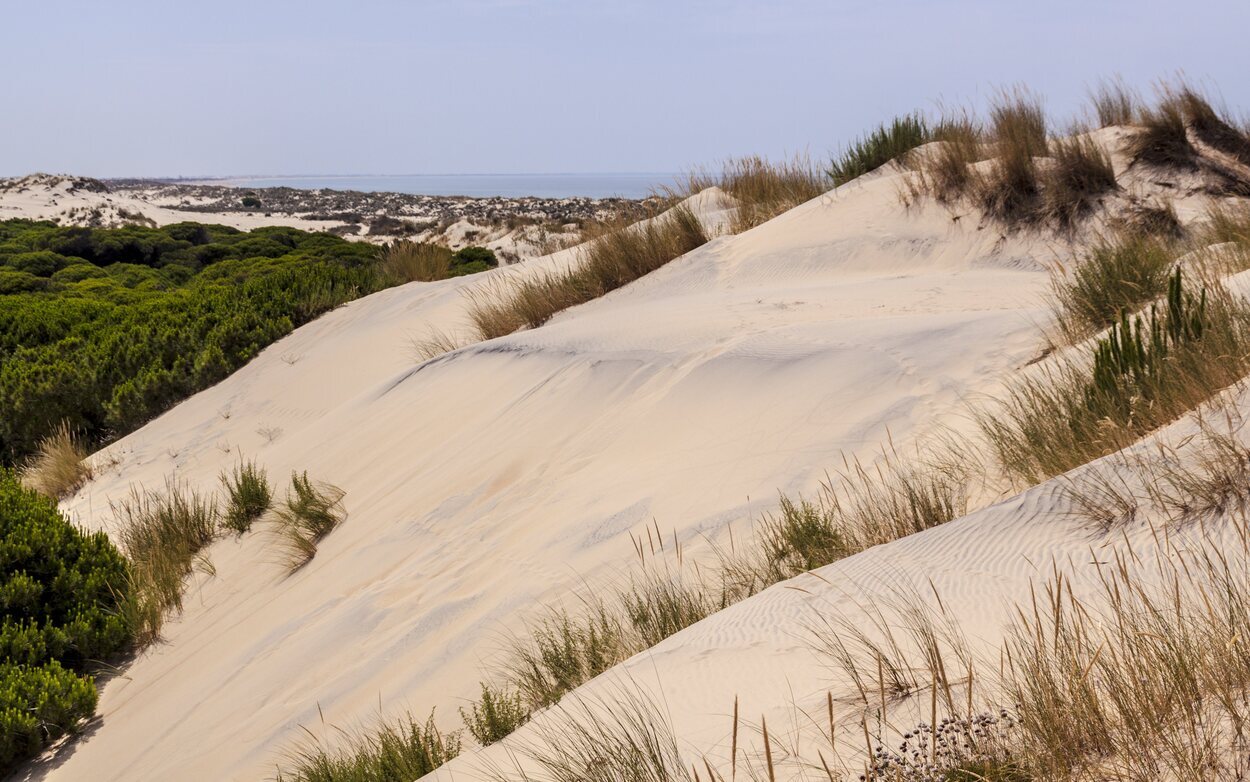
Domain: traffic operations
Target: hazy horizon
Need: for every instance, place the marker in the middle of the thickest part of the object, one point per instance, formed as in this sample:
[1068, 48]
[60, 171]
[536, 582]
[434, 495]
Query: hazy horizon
[506, 87]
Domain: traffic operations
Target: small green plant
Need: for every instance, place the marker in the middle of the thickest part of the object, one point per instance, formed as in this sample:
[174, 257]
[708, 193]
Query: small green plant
[310, 512]
[391, 752]
[495, 715]
[248, 496]
[881, 145]
[1118, 273]
[471, 260]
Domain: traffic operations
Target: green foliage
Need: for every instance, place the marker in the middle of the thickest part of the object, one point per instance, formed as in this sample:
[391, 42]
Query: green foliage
[495, 715]
[880, 146]
[58, 592]
[38, 705]
[248, 494]
[405, 750]
[1114, 275]
[119, 324]
[469, 260]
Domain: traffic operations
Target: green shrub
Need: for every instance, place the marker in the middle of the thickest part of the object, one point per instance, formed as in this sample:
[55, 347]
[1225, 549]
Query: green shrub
[495, 715]
[474, 255]
[248, 496]
[38, 705]
[59, 588]
[140, 318]
[880, 146]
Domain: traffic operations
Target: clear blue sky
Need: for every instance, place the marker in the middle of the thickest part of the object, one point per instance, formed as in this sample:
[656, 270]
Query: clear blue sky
[148, 88]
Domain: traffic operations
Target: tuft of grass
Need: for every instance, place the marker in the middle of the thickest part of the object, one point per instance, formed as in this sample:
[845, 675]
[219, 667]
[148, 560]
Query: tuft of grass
[563, 650]
[1227, 224]
[58, 467]
[1161, 139]
[878, 147]
[1212, 127]
[1079, 175]
[1119, 273]
[1155, 218]
[945, 170]
[309, 513]
[495, 715]
[1010, 190]
[248, 496]
[626, 739]
[617, 257]
[161, 534]
[761, 188]
[403, 750]
[1145, 373]
[1114, 103]
[407, 261]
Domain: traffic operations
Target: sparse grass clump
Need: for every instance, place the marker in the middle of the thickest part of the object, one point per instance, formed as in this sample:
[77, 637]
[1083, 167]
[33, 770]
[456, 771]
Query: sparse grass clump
[1213, 128]
[617, 257]
[403, 750]
[1114, 104]
[310, 512]
[495, 715]
[248, 496]
[883, 144]
[945, 171]
[564, 649]
[161, 534]
[1161, 139]
[1119, 273]
[59, 465]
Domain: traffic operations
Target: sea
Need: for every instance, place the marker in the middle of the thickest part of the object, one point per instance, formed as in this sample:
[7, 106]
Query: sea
[626, 185]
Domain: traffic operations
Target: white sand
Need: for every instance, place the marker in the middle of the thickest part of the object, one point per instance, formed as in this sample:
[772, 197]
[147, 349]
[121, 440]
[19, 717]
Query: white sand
[509, 474]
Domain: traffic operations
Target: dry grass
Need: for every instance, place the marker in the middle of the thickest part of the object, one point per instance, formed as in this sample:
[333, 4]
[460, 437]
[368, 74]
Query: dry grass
[1118, 273]
[161, 534]
[1213, 127]
[1010, 190]
[1161, 139]
[407, 261]
[945, 170]
[762, 189]
[1079, 175]
[1114, 103]
[626, 739]
[435, 343]
[310, 512]
[59, 466]
[617, 257]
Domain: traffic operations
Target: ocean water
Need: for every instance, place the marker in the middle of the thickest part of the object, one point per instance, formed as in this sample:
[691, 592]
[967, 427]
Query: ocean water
[479, 185]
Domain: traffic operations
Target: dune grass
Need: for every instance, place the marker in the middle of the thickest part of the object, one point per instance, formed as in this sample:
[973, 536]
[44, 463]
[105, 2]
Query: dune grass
[1119, 272]
[1161, 138]
[1114, 103]
[406, 749]
[248, 496]
[59, 465]
[1147, 371]
[761, 188]
[1214, 127]
[616, 257]
[161, 534]
[309, 513]
[1079, 174]
[893, 141]
[494, 715]
[1010, 190]
[407, 261]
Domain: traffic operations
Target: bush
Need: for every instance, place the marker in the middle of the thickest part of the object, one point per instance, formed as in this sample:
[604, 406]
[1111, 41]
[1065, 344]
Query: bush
[58, 591]
[248, 496]
[310, 512]
[880, 146]
[144, 317]
[495, 715]
[480, 256]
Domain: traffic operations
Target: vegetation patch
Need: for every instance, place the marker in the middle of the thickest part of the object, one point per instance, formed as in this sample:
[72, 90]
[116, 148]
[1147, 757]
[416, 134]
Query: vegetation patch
[879, 146]
[58, 592]
[248, 496]
[310, 512]
[404, 750]
[59, 464]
